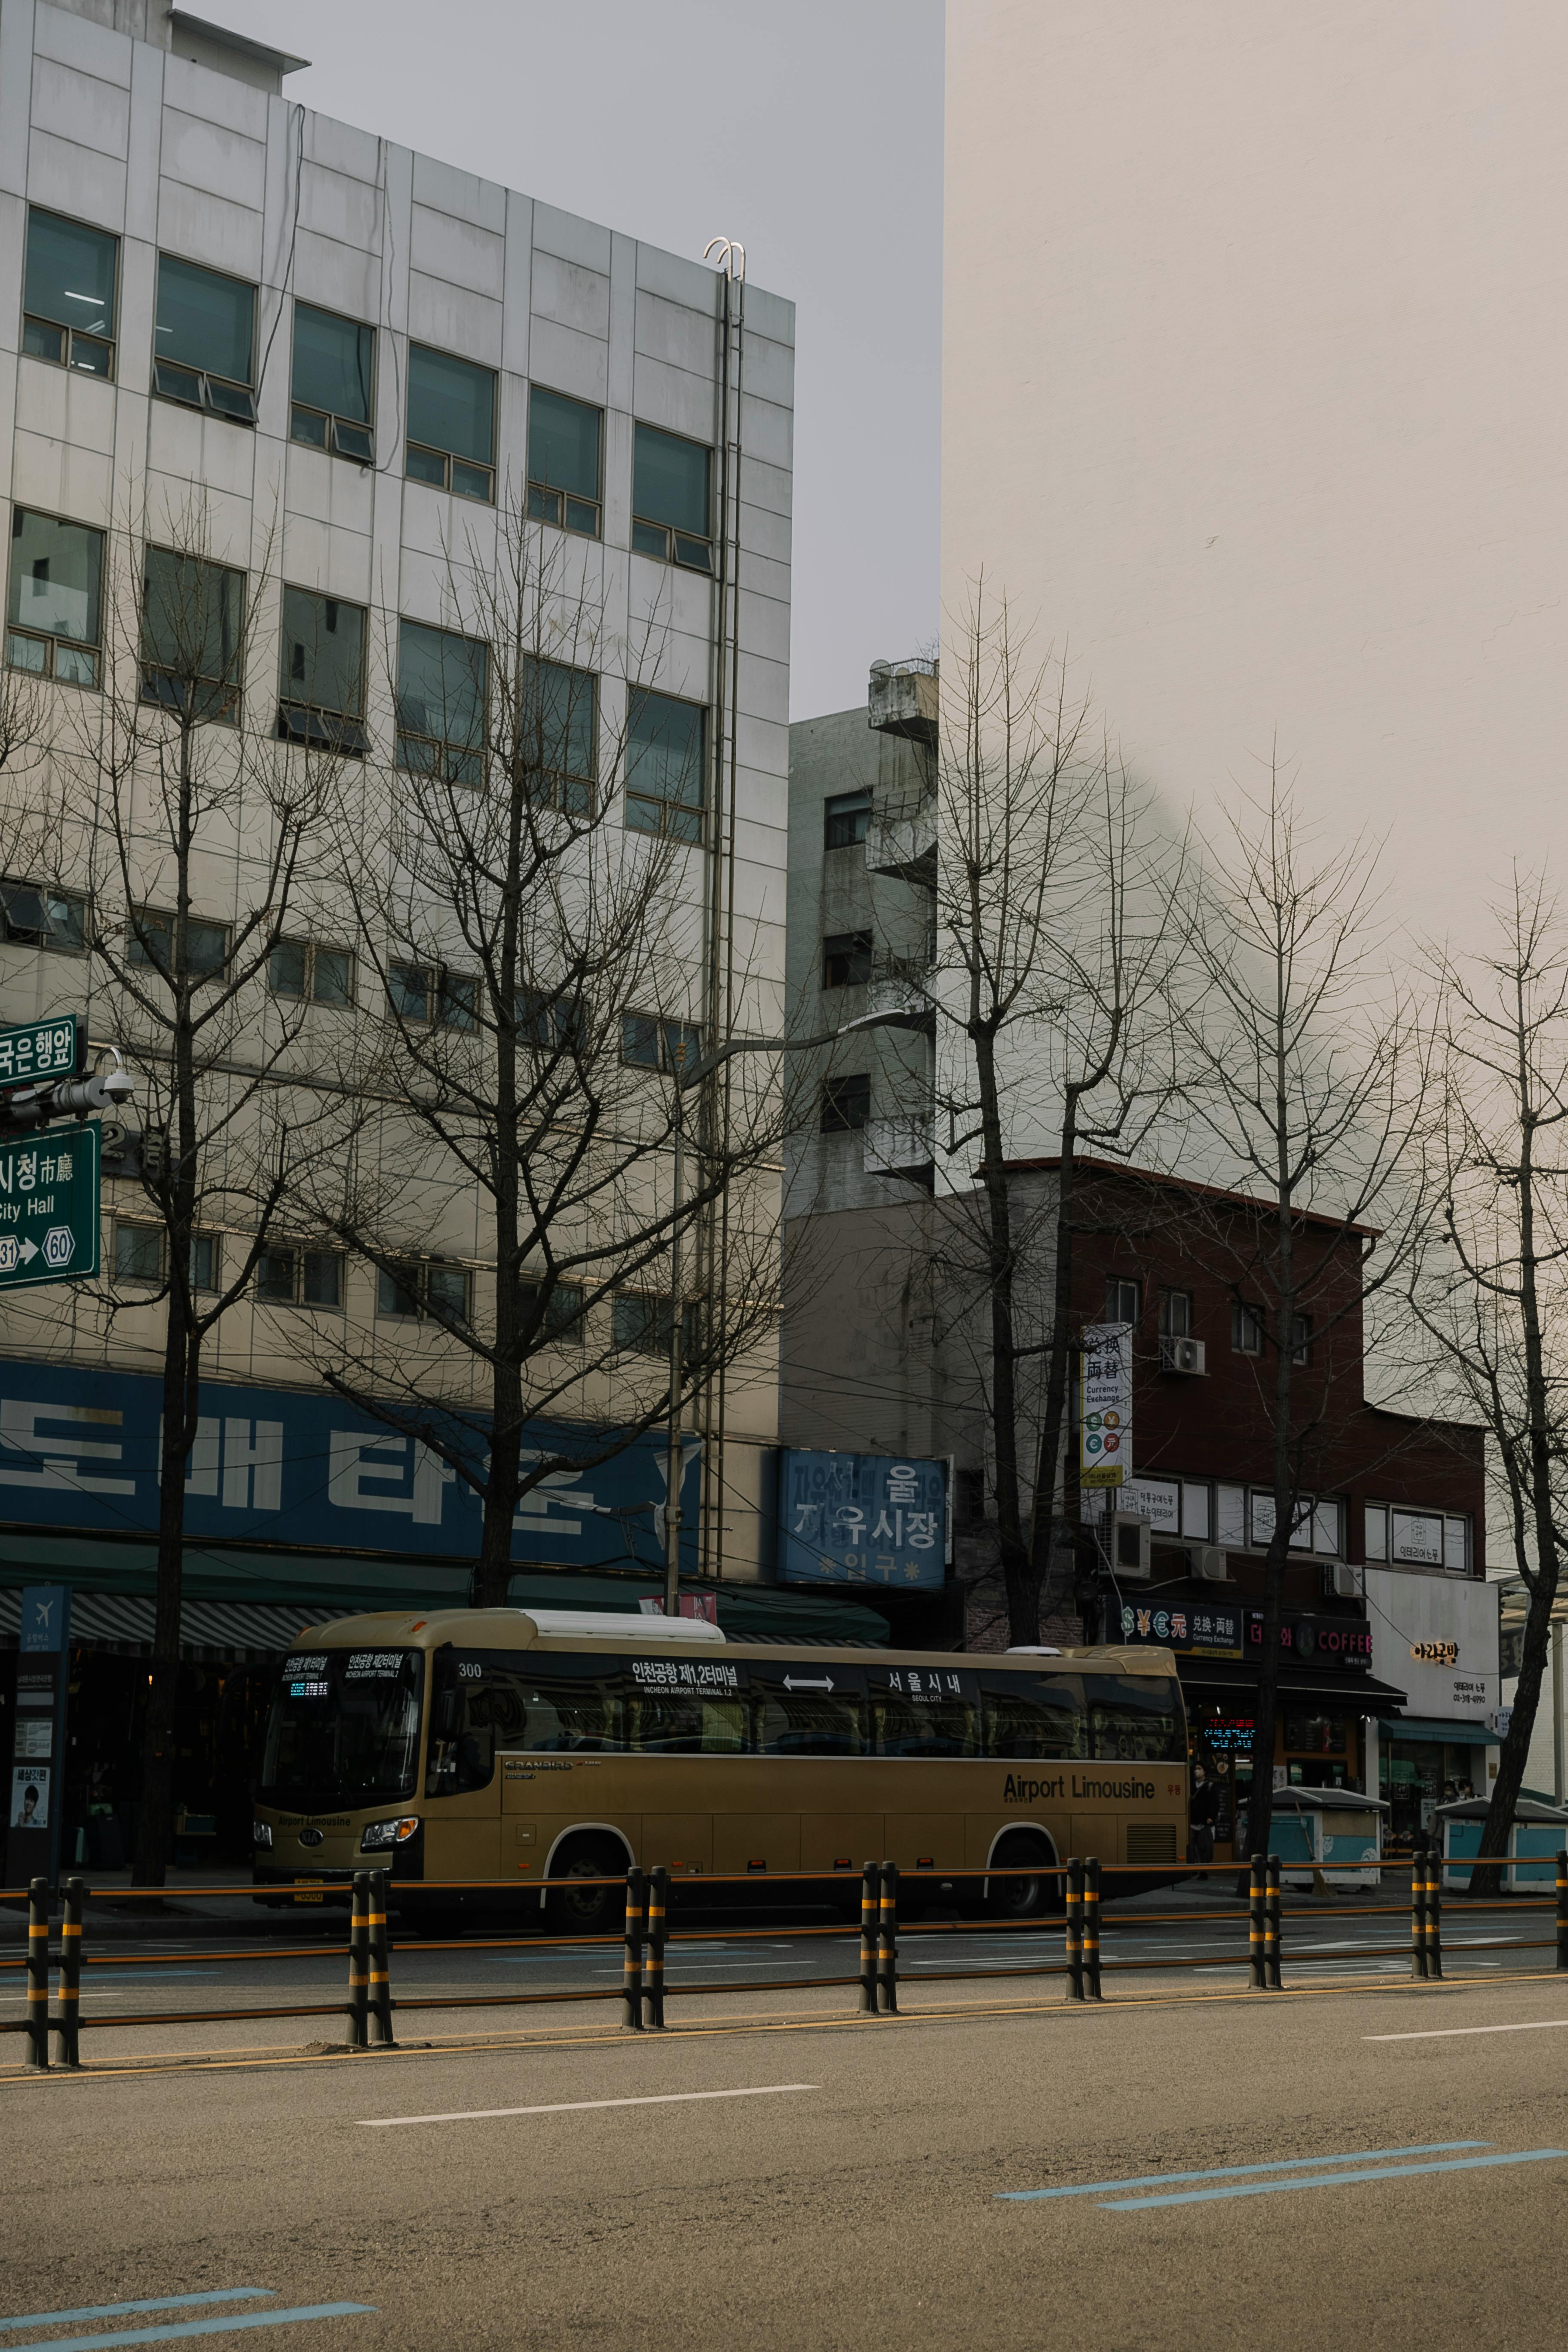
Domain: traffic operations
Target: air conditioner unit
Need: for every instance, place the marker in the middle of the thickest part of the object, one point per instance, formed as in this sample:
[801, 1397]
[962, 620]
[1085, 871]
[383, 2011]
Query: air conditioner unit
[1210, 1562]
[1181, 1354]
[1130, 1553]
[1343, 1582]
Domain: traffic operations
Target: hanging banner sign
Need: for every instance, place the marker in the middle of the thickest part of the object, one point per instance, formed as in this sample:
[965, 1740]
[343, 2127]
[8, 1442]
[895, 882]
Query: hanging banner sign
[1105, 1425]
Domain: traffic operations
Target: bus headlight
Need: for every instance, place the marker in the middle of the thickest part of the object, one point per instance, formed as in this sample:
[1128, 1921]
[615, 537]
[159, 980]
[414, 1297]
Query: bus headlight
[261, 1834]
[384, 1834]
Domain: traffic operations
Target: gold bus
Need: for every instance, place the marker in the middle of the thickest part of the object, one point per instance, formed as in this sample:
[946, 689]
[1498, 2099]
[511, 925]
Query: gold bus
[503, 1744]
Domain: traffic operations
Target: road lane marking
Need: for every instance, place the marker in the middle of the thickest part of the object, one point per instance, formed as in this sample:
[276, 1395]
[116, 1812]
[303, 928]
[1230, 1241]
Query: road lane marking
[1332, 2179]
[124, 2310]
[1451, 2032]
[663, 2099]
[183, 2329]
[1232, 2171]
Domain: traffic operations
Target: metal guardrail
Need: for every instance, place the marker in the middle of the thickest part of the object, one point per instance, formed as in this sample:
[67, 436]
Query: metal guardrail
[645, 1939]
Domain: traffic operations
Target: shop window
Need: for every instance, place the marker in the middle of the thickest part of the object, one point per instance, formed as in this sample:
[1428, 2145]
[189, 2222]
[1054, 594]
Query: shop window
[68, 294]
[565, 444]
[671, 517]
[54, 620]
[205, 340]
[334, 362]
[451, 423]
[1412, 1537]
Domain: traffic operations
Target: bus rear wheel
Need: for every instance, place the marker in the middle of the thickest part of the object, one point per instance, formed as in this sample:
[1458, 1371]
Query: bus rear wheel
[588, 1910]
[1021, 1898]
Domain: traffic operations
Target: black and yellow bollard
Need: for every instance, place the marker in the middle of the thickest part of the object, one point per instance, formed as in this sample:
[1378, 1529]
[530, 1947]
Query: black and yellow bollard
[1418, 1915]
[1091, 1926]
[358, 1962]
[631, 1965]
[1273, 1923]
[657, 1913]
[1257, 1915]
[1075, 1928]
[888, 1940]
[1435, 1914]
[68, 2021]
[37, 1973]
[1562, 1911]
[868, 1925]
[378, 1975]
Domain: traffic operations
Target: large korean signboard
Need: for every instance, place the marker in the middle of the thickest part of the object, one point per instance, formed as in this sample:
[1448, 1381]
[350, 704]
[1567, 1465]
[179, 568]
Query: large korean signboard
[1105, 1418]
[862, 1518]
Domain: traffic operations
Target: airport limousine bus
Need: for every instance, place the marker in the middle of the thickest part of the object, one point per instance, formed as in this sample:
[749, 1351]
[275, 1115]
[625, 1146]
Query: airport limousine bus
[499, 1745]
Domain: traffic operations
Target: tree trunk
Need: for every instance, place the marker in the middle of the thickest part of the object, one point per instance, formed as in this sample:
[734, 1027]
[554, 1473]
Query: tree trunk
[1019, 1578]
[1057, 1366]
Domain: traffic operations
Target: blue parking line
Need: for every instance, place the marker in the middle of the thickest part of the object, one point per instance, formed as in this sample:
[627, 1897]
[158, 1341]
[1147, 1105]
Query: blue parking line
[123, 2310]
[184, 2328]
[1332, 2179]
[1232, 2171]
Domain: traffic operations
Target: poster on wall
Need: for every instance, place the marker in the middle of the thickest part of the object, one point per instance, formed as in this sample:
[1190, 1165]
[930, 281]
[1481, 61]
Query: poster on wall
[29, 1797]
[1105, 1424]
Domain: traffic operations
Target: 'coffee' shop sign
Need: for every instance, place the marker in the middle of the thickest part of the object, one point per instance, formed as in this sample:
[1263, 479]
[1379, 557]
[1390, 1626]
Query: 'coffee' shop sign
[1206, 1629]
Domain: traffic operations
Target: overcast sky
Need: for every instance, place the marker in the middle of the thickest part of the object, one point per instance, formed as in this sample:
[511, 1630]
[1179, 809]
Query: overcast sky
[812, 132]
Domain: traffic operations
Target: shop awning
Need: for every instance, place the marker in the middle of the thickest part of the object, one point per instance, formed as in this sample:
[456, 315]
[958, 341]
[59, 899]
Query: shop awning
[1234, 1686]
[1451, 1735]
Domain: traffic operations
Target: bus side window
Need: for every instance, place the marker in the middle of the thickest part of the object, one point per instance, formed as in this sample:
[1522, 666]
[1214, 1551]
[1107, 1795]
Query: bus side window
[807, 1709]
[923, 1711]
[1135, 1718]
[1038, 1716]
[570, 1704]
[687, 1723]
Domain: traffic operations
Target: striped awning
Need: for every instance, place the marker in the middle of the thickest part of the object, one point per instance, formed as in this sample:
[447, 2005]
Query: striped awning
[209, 1630]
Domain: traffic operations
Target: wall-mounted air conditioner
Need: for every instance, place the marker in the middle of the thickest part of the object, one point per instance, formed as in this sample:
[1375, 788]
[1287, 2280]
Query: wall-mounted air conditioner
[1182, 1355]
[1209, 1562]
[1130, 1552]
[1342, 1582]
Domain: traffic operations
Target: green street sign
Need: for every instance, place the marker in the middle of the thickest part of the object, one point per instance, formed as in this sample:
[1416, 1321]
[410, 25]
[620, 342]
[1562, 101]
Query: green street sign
[49, 1185]
[38, 1049]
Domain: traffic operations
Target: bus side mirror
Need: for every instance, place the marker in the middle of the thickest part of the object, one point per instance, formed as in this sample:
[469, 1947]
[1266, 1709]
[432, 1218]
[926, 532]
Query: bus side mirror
[444, 1715]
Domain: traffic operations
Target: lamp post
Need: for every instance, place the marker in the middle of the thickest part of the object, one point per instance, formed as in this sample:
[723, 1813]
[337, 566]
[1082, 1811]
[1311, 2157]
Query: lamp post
[685, 1078]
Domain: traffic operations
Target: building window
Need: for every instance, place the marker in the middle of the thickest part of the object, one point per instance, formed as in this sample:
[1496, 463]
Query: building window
[558, 1305]
[671, 513]
[565, 442]
[311, 975]
[153, 944]
[442, 681]
[424, 1289]
[193, 623]
[1247, 1330]
[558, 731]
[1300, 1339]
[334, 362]
[205, 339]
[846, 1104]
[67, 297]
[321, 685]
[551, 1024]
[846, 819]
[451, 423]
[289, 1274]
[34, 916]
[54, 620]
[969, 1498]
[847, 960]
[665, 762]
[1407, 1535]
[642, 1323]
[140, 1256]
[1123, 1299]
[418, 993]
[1176, 1314]
[648, 1043]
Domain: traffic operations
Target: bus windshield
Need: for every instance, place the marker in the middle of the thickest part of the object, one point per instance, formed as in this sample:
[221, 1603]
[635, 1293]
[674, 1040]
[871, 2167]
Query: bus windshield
[343, 1731]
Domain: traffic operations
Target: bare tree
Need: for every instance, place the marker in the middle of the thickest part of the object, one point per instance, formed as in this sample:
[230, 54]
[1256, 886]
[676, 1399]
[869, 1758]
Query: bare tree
[1055, 929]
[528, 893]
[187, 824]
[1492, 1292]
[1308, 1067]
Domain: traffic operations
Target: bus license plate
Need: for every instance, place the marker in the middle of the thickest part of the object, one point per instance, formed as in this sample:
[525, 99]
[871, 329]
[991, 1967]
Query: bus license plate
[301, 1896]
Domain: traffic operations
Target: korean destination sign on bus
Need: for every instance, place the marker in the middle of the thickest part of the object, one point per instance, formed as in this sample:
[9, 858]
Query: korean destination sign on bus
[862, 1518]
[1105, 1422]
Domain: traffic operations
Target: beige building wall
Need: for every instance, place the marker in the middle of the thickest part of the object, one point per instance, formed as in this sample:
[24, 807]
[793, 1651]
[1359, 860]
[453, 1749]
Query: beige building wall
[1252, 392]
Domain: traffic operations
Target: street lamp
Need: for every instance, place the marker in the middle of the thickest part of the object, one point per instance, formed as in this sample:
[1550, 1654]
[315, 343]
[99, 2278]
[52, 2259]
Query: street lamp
[908, 1017]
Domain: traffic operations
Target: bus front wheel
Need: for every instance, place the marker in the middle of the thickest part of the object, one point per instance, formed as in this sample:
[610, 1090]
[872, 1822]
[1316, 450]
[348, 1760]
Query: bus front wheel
[588, 1910]
[1021, 1898]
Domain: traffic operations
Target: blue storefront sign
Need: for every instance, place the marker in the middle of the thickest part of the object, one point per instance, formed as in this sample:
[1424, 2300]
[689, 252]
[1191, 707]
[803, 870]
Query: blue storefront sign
[79, 1449]
[862, 1518]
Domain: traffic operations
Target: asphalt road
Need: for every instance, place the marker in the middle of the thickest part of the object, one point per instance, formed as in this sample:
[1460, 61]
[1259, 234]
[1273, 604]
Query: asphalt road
[1259, 2170]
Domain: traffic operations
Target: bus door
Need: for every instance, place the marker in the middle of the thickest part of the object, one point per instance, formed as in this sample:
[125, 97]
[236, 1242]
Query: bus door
[472, 1700]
